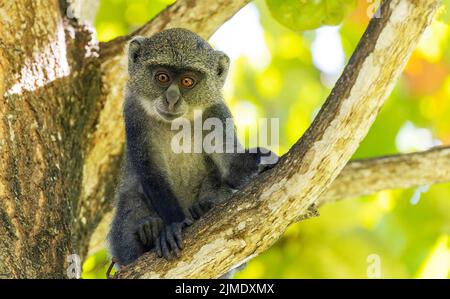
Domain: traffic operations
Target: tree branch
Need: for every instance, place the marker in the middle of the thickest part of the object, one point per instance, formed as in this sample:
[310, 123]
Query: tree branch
[252, 220]
[195, 15]
[364, 177]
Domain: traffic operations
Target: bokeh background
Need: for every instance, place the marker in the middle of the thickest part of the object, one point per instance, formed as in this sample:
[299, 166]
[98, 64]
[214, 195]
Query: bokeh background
[280, 71]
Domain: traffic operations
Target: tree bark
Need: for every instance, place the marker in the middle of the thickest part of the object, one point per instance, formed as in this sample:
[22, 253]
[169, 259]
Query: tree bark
[364, 177]
[232, 233]
[49, 83]
[61, 135]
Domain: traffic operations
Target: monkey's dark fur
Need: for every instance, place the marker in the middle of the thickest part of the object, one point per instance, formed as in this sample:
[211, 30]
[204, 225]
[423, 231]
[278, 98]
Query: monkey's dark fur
[160, 191]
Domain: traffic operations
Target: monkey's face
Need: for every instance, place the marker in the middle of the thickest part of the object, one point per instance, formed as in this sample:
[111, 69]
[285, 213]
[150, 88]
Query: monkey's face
[171, 91]
[175, 89]
[175, 72]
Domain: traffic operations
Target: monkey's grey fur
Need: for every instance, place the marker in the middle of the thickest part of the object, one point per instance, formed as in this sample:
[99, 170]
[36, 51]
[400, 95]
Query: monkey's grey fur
[160, 191]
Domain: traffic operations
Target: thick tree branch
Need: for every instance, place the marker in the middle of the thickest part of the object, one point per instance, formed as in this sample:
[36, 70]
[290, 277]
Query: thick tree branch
[199, 16]
[257, 216]
[364, 177]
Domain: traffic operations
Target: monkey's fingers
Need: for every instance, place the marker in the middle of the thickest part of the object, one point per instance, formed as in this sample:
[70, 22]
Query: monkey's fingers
[148, 233]
[177, 234]
[196, 211]
[193, 215]
[164, 247]
[142, 234]
[155, 228]
[158, 247]
[206, 205]
[170, 237]
[188, 221]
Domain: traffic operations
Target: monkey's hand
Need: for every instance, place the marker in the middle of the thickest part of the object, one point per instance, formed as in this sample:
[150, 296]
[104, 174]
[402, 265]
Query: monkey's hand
[148, 230]
[170, 239]
[201, 207]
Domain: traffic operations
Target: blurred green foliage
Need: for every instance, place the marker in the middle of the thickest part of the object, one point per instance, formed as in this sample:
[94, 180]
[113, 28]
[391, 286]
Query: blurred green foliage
[119, 17]
[319, 12]
[446, 11]
[407, 229]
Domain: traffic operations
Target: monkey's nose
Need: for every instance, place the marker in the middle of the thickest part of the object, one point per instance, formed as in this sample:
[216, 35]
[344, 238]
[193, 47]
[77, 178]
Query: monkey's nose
[172, 96]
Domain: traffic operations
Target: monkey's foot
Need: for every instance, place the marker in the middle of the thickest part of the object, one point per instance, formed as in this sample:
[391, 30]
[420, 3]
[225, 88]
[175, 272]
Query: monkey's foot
[170, 239]
[201, 207]
[149, 229]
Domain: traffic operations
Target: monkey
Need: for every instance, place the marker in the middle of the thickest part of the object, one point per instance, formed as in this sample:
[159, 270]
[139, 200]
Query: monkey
[172, 74]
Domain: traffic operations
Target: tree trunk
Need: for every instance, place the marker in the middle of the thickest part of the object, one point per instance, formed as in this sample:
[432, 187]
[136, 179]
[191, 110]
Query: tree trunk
[61, 136]
[50, 86]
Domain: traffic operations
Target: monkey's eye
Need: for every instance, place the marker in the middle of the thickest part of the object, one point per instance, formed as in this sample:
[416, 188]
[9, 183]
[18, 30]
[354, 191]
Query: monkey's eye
[187, 82]
[162, 78]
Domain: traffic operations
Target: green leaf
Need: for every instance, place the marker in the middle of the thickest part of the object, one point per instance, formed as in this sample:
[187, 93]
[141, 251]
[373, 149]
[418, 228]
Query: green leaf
[444, 14]
[302, 15]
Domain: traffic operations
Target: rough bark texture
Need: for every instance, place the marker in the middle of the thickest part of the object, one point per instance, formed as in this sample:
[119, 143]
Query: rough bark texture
[364, 177]
[49, 83]
[257, 216]
[61, 136]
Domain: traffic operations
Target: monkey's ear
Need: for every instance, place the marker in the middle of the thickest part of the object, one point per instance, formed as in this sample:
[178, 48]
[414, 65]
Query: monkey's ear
[134, 48]
[223, 66]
